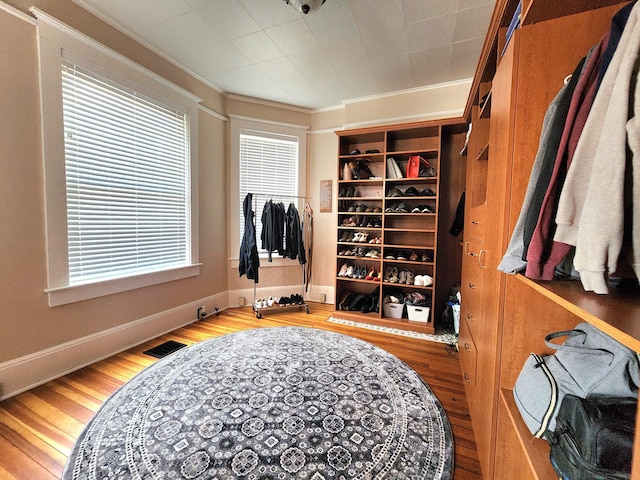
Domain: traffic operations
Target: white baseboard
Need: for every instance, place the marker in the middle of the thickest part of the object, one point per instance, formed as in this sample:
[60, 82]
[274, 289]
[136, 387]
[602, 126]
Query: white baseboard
[21, 374]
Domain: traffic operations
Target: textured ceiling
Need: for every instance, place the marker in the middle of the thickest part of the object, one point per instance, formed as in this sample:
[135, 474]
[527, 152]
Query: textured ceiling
[346, 50]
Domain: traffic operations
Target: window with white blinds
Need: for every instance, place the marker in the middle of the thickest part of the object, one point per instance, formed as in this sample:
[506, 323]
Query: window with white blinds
[127, 175]
[268, 164]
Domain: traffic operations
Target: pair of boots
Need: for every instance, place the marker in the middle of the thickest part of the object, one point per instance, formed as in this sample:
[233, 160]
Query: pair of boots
[358, 170]
[361, 302]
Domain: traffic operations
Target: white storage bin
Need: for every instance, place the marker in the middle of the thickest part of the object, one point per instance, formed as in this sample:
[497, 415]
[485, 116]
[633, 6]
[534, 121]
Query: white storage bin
[393, 310]
[418, 314]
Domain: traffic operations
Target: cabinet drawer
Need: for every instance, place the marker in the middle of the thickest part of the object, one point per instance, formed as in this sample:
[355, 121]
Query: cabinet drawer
[468, 355]
[472, 275]
[475, 226]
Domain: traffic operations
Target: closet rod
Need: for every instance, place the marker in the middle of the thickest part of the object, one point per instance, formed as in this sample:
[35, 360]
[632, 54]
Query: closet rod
[279, 196]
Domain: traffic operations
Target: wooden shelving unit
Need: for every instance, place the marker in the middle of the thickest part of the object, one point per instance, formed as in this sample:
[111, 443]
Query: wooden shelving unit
[398, 231]
[506, 317]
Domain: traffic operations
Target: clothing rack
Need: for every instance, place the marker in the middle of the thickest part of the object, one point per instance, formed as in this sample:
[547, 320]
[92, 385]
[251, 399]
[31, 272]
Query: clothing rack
[276, 307]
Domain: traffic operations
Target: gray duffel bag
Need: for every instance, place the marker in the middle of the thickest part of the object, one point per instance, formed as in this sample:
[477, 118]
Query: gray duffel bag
[588, 363]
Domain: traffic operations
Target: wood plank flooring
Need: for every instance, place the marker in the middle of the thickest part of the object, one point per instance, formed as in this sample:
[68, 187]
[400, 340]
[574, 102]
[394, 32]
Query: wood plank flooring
[38, 428]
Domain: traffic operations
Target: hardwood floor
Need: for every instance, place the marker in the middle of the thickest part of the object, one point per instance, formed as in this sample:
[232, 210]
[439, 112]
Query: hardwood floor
[38, 428]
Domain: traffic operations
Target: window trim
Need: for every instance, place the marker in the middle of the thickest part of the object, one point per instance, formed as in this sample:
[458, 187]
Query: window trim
[239, 123]
[55, 40]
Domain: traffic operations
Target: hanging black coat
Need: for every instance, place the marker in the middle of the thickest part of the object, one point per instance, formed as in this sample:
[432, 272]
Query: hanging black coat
[294, 243]
[273, 222]
[249, 259]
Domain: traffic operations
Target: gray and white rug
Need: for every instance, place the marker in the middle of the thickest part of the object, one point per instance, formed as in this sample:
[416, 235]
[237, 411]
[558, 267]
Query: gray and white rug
[270, 404]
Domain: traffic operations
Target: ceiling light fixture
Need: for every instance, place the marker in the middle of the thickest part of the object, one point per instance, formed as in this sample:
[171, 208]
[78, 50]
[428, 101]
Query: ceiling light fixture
[305, 6]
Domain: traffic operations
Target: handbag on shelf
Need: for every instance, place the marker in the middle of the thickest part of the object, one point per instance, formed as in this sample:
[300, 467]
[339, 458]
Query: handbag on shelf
[419, 167]
[413, 166]
[593, 438]
[588, 363]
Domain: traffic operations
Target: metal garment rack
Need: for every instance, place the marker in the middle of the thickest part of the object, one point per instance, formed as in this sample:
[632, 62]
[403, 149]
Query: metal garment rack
[276, 308]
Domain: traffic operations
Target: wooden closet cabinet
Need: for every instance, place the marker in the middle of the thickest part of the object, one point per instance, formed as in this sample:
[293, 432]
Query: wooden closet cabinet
[506, 317]
[389, 223]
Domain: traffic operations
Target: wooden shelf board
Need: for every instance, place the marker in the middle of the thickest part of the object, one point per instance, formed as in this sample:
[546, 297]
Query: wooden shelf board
[365, 199]
[376, 181]
[364, 155]
[536, 450]
[411, 180]
[409, 197]
[342, 227]
[405, 285]
[541, 10]
[409, 230]
[616, 314]
[408, 262]
[408, 247]
[359, 280]
[414, 152]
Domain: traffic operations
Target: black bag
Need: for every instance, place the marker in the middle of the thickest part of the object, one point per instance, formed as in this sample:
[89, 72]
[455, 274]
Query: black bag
[593, 439]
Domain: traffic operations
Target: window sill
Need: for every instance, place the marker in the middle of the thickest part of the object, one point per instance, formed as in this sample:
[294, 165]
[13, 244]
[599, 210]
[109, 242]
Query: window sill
[76, 293]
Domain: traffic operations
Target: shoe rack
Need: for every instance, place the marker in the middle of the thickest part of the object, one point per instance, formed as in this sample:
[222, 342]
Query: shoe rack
[387, 229]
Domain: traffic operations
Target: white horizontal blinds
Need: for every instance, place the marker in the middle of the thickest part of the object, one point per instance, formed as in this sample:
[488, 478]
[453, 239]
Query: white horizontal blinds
[268, 164]
[127, 179]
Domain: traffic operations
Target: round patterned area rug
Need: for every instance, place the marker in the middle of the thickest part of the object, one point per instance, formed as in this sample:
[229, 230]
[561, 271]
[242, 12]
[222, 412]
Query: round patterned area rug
[270, 404]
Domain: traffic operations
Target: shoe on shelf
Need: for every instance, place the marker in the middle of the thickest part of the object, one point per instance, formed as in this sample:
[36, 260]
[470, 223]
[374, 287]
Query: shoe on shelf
[411, 192]
[427, 209]
[426, 257]
[345, 301]
[409, 277]
[343, 270]
[427, 281]
[401, 208]
[389, 256]
[417, 209]
[402, 277]
[427, 192]
[387, 274]
[413, 257]
[402, 255]
[370, 274]
[394, 275]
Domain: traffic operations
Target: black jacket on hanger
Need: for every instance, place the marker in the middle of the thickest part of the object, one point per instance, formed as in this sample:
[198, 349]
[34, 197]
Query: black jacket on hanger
[294, 243]
[249, 260]
[273, 222]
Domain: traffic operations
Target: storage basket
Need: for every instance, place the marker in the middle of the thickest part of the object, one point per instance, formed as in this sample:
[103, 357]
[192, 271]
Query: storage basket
[393, 310]
[418, 314]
